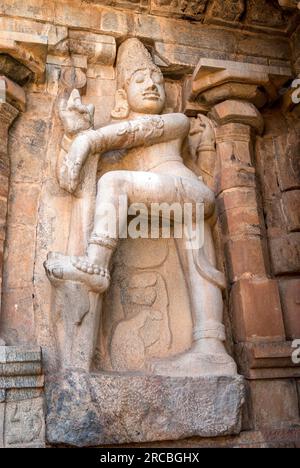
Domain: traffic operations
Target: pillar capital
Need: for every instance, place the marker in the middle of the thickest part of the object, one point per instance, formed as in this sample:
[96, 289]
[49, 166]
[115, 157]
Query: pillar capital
[27, 49]
[12, 95]
[8, 114]
[239, 112]
[215, 81]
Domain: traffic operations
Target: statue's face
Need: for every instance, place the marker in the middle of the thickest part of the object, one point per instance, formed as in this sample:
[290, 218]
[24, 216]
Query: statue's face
[146, 92]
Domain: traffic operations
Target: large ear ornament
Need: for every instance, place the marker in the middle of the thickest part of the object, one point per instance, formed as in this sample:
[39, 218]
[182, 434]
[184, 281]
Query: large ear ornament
[91, 109]
[121, 109]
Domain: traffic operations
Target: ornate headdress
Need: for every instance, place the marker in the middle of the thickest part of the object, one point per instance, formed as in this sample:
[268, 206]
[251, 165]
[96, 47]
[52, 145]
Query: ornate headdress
[132, 57]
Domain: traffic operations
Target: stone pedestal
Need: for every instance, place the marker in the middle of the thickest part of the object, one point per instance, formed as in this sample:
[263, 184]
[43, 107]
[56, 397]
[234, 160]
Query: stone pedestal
[96, 409]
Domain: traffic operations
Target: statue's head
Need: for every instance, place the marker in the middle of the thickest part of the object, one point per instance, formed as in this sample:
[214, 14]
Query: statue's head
[140, 82]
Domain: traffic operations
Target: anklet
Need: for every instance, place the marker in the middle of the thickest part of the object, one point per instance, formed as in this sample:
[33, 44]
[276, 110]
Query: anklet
[104, 240]
[90, 268]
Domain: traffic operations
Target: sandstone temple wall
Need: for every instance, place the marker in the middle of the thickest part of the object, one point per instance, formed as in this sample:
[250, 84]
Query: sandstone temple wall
[49, 47]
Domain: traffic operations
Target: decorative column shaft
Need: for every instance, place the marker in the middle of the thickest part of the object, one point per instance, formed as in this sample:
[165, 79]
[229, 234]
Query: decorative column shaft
[232, 92]
[8, 113]
[255, 301]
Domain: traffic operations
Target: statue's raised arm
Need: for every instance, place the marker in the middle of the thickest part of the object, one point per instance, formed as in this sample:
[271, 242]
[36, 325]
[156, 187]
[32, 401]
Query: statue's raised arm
[143, 130]
[75, 116]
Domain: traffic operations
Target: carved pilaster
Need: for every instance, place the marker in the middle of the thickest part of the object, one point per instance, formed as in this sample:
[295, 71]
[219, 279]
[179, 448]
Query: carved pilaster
[9, 93]
[22, 57]
[22, 420]
[232, 91]
[255, 299]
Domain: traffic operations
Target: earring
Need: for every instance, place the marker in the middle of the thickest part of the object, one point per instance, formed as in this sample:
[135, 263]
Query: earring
[121, 109]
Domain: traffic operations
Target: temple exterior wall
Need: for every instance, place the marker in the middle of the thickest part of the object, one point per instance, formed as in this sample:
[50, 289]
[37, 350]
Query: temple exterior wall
[233, 63]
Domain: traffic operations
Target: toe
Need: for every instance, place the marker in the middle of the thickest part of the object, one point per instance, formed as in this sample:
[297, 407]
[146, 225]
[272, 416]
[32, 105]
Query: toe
[46, 268]
[57, 273]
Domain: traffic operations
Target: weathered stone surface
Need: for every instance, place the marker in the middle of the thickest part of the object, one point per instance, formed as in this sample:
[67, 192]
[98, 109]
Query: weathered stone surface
[266, 360]
[25, 424]
[280, 181]
[256, 310]
[193, 8]
[247, 52]
[22, 381]
[285, 253]
[29, 49]
[291, 203]
[13, 354]
[20, 369]
[14, 70]
[227, 10]
[287, 161]
[22, 421]
[275, 403]
[232, 111]
[12, 93]
[118, 21]
[8, 113]
[241, 221]
[264, 13]
[290, 299]
[210, 73]
[252, 93]
[245, 257]
[89, 410]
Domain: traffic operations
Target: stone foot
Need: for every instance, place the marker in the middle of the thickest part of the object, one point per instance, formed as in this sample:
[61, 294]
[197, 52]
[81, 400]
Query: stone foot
[60, 267]
[194, 364]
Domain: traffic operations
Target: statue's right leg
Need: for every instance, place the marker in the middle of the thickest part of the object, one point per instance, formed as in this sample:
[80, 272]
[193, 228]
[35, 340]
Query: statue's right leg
[92, 269]
[134, 187]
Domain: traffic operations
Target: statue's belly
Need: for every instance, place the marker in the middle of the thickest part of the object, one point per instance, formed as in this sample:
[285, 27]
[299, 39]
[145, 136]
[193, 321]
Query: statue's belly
[158, 161]
[149, 162]
[176, 169]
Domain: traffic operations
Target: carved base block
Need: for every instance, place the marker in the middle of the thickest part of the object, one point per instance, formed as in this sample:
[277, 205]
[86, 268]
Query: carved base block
[22, 419]
[98, 409]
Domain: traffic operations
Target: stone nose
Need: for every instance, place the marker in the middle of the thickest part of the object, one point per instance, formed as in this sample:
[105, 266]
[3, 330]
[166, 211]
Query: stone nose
[150, 85]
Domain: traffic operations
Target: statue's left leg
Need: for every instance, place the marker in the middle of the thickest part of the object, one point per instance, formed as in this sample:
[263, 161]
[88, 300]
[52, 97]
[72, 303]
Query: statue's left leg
[207, 355]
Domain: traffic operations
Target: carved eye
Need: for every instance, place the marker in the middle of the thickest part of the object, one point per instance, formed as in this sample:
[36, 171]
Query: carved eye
[140, 78]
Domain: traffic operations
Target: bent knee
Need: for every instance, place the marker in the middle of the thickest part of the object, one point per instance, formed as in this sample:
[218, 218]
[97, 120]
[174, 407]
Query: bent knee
[113, 180]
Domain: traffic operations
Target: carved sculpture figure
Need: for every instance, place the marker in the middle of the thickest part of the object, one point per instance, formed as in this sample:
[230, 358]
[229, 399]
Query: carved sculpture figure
[152, 146]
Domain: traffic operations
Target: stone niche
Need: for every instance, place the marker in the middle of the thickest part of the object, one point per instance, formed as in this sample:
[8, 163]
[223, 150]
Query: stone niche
[138, 323]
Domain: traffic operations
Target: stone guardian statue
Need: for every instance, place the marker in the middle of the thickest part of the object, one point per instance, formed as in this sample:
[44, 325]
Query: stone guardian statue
[155, 173]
